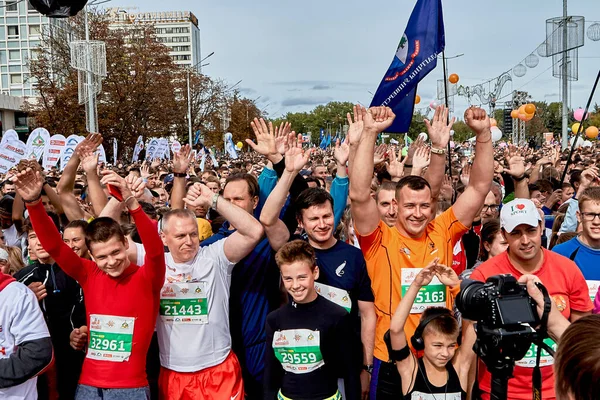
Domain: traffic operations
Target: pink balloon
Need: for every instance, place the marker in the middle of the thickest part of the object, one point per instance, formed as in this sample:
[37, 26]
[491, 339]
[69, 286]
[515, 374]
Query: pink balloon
[578, 114]
[433, 105]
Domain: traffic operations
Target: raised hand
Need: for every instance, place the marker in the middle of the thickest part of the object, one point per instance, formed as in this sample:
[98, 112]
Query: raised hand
[516, 166]
[295, 157]
[89, 144]
[356, 125]
[465, 174]
[89, 162]
[419, 142]
[199, 195]
[265, 138]
[145, 171]
[378, 119]
[438, 129]
[136, 185]
[28, 184]
[396, 167]
[155, 163]
[182, 159]
[446, 191]
[421, 158]
[281, 133]
[112, 178]
[588, 177]
[425, 276]
[478, 120]
[341, 151]
[446, 275]
[379, 154]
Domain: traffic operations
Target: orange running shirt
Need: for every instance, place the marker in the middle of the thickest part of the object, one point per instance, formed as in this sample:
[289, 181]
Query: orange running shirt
[387, 252]
[567, 287]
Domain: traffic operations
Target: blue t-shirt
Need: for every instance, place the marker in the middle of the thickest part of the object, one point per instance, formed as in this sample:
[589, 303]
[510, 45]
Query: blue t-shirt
[343, 266]
[586, 258]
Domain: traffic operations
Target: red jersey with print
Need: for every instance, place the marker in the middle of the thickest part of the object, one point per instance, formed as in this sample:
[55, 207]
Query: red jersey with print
[568, 289]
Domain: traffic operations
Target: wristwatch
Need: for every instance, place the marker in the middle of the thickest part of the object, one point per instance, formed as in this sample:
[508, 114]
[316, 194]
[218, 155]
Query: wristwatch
[368, 368]
[435, 150]
[214, 201]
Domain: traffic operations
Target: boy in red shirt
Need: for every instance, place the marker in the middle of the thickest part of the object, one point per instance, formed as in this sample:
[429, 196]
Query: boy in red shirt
[121, 299]
[522, 226]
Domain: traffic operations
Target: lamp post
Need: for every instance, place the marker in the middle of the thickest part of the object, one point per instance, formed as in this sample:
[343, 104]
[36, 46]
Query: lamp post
[189, 98]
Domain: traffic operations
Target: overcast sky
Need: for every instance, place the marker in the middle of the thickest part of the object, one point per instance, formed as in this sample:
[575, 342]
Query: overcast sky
[298, 54]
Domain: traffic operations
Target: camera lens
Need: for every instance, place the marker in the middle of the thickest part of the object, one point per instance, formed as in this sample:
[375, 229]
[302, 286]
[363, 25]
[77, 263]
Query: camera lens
[468, 301]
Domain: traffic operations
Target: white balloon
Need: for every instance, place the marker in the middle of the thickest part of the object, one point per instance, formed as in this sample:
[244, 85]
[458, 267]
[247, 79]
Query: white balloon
[433, 105]
[587, 143]
[579, 143]
[423, 135]
[496, 134]
[451, 132]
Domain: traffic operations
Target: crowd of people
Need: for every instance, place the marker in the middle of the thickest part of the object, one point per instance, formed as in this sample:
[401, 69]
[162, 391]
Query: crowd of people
[294, 272]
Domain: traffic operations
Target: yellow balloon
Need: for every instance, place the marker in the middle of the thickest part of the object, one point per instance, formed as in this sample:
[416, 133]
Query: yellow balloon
[575, 127]
[417, 99]
[239, 144]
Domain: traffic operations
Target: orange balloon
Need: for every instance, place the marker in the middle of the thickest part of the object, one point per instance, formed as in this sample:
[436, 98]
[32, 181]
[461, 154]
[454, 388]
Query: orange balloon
[493, 122]
[522, 116]
[453, 78]
[522, 109]
[591, 132]
[529, 117]
[529, 108]
[417, 99]
[514, 113]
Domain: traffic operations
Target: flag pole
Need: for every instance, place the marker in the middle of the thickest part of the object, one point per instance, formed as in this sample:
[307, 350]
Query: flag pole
[446, 101]
[585, 114]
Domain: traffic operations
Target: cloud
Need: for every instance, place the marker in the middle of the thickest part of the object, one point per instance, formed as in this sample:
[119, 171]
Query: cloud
[246, 90]
[321, 87]
[305, 101]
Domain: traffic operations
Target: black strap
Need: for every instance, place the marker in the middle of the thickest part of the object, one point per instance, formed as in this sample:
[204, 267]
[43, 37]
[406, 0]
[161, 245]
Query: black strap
[574, 254]
[542, 333]
[395, 355]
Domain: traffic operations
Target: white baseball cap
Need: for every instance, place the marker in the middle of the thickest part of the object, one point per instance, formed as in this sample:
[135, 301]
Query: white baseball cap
[517, 212]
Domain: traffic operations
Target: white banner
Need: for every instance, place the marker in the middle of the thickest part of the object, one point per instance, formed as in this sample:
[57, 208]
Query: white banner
[175, 147]
[139, 145]
[163, 148]
[36, 143]
[9, 135]
[53, 151]
[101, 154]
[72, 142]
[11, 152]
[151, 149]
[115, 147]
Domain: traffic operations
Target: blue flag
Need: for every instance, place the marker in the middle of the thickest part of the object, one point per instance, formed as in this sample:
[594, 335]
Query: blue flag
[197, 137]
[328, 143]
[322, 140]
[415, 57]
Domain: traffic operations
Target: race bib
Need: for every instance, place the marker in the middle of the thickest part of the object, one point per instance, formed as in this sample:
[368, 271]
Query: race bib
[298, 350]
[110, 338]
[335, 295]
[546, 359]
[593, 288]
[432, 295]
[184, 303]
[428, 396]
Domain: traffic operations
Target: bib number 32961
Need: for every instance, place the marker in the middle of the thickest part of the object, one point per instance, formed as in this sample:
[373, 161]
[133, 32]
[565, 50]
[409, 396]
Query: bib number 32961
[184, 303]
[298, 350]
[432, 295]
[111, 338]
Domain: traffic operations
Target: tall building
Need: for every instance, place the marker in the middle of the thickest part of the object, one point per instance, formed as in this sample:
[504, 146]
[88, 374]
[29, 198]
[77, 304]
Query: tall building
[178, 30]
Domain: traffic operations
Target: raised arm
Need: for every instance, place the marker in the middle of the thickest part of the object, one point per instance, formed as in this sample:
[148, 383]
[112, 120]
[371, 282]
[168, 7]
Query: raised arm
[248, 230]
[340, 185]
[439, 134]
[98, 198]
[295, 158]
[181, 162]
[29, 184]
[482, 173]
[516, 169]
[363, 135]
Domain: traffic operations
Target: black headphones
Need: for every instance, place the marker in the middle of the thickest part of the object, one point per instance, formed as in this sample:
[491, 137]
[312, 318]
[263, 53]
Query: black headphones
[417, 338]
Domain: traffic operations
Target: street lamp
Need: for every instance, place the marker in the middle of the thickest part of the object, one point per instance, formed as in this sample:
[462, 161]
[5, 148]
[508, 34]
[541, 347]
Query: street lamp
[188, 97]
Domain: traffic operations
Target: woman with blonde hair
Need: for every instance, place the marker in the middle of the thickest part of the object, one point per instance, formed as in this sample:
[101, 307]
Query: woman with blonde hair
[10, 260]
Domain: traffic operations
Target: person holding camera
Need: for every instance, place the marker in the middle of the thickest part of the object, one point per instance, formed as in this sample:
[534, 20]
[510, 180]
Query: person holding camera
[443, 369]
[522, 226]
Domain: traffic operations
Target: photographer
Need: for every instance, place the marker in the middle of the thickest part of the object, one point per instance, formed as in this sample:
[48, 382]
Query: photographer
[522, 227]
[443, 369]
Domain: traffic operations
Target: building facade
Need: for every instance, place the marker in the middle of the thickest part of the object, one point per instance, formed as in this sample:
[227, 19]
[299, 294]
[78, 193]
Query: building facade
[178, 30]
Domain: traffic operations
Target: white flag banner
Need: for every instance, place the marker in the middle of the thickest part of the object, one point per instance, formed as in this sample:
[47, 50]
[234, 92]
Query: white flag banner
[10, 154]
[9, 135]
[139, 145]
[72, 142]
[203, 159]
[151, 149]
[101, 154]
[175, 147]
[53, 151]
[163, 148]
[115, 148]
[36, 143]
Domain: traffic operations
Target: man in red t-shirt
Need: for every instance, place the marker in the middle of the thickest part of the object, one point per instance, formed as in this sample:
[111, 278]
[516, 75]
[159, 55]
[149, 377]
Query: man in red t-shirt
[121, 299]
[522, 226]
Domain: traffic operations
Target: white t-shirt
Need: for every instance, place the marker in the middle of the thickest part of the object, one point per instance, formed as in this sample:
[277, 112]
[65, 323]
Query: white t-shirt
[21, 320]
[193, 325]
[12, 237]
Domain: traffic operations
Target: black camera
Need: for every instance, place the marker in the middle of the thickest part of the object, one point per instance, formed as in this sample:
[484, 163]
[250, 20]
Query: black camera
[500, 302]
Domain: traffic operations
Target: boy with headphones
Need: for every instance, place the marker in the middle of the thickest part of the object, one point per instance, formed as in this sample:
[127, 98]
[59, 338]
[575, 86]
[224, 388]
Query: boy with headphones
[443, 369]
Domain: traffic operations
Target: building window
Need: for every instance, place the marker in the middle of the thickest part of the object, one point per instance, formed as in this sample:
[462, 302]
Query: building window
[12, 6]
[14, 55]
[35, 30]
[162, 31]
[181, 57]
[16, 79]
[13, 31]
[180, 48]
[30, 8]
